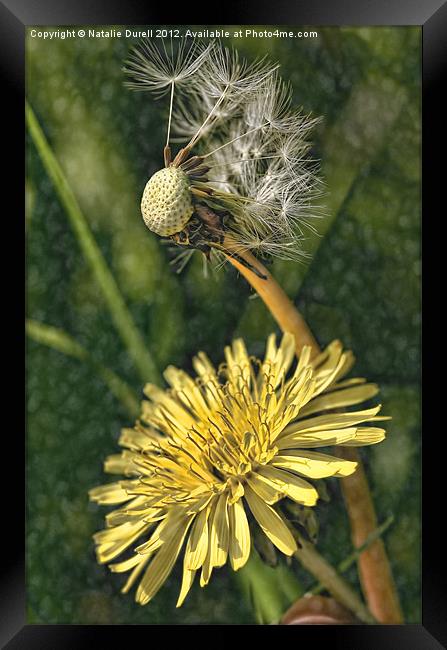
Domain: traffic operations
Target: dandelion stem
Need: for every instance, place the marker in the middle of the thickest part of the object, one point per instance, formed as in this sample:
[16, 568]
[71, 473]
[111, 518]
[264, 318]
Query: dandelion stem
[375, 571]
[281, 307]
[331, 580]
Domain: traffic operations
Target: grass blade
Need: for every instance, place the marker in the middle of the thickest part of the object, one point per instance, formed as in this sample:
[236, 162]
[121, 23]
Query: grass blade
[120, 314]
[59, 340]
[353, 557]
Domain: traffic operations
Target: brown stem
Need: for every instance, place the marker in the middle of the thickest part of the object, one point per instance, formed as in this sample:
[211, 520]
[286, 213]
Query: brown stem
[330, 579]
[375, 571]
[278, 303]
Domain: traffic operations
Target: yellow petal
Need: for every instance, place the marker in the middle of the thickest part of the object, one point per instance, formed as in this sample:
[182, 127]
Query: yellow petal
[219, 536]
[328, 359]
[286, 354]
[294, 487]
[118, 533]
[331, 421]
[137, 508]
[294, 395]
[316, 439]
[237, 491]
[328, 378]
[188, 579]
[238, 362]
[346, 383]
[162, 564]
[366, 436]
[113, 541]
[126, 565]
[153, 543]
[265, 489]
[304, 359]
[187, 390]
[211, 385]
[120, 464]
[340, 398]
[162, 398]
[138, 439]
[240, 540]
[197, 546]
[270, 350]
[348, 362]
[135, 573]
[207, 570]
[110, 494]
[271, 523]
[277, 361]
[314, 464]
[204, 368]
[163, 532]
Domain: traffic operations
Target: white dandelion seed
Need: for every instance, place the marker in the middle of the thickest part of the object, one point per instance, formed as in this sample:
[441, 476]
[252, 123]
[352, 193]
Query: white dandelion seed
[155, 69]
[244, 171]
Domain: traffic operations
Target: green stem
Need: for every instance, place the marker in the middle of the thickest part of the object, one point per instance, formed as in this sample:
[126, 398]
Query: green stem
[269, 590]
[120, 314]
[59, 340]
[353, 557]
[341, 590]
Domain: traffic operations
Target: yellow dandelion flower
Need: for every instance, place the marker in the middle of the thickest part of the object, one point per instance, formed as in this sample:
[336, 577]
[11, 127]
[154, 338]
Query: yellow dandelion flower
[211, 456]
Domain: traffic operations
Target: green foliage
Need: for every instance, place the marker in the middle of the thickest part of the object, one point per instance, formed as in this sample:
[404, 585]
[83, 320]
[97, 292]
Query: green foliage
[59, 340]
[118, 310]
[87, 164]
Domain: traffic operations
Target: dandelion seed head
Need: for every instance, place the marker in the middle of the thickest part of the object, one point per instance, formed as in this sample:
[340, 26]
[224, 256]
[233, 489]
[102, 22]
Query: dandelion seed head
[246, 150]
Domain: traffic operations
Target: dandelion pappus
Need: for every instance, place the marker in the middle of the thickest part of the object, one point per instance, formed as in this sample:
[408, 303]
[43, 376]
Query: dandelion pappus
[244, 175]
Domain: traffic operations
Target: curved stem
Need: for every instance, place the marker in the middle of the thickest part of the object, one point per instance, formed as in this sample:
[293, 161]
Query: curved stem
[276, 300]
[375, 571]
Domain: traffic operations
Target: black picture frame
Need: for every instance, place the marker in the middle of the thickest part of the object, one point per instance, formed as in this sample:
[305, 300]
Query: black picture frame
[15, 16]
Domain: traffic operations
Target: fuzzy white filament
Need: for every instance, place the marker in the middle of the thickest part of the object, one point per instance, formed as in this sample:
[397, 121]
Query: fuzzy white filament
[153, 69]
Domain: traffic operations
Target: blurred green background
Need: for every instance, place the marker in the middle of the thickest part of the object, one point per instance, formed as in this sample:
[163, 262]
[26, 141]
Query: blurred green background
[362, 285]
